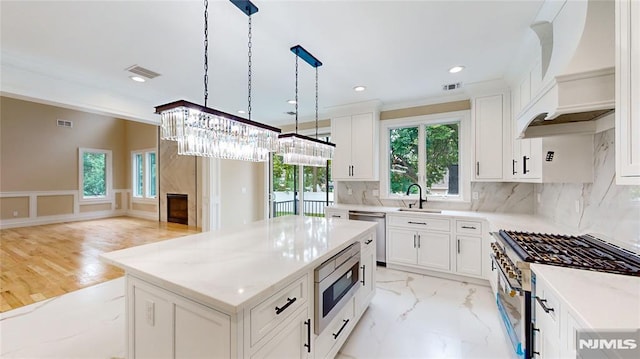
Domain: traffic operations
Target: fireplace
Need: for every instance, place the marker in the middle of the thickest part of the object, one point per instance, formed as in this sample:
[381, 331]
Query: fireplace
[177, 208]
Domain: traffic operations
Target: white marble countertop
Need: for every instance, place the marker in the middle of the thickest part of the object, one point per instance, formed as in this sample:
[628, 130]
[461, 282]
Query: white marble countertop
[599, 300]
[228, 268]
[496, 220]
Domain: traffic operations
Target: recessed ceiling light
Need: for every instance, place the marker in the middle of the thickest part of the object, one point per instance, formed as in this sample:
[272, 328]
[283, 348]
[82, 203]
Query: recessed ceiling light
[456, 69]
[242, 112]
[292, 102]
[137, 78]
[359, 88]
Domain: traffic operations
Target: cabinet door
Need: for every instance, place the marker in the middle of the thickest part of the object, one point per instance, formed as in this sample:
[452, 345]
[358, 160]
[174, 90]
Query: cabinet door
[627, 92]
[531, 158]
[363, 146]
[336, 213]
[546, 340]
[401, 245]
[200, 332]
[469, 255]
[367, 280]
[152, 324]
[488, 113]
[341, 136]
[291, 339]
[434, 250]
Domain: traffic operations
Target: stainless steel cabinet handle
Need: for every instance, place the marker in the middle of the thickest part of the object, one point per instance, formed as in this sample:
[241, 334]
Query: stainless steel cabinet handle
[308, 343]
[344, 324]
[284, 307]
[422, 223]
[363, 271]
[543, 305]
[468, 227]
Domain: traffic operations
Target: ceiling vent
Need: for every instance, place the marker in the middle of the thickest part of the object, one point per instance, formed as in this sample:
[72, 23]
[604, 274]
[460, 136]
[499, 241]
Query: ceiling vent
[141, 71]
[450, 87]
[65, 123]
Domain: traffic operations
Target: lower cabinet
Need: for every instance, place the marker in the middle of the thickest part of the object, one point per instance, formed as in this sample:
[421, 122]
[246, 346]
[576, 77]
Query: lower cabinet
[469, 255]
[166, 325]
[292, 341]
[367, 280]
[423, 248]
[335, 334]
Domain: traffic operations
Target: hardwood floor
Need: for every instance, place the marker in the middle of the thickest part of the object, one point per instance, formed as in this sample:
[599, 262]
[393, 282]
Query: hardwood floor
[42, 262]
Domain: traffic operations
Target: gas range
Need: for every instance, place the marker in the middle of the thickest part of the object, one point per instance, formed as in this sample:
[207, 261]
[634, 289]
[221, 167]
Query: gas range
[515, 251]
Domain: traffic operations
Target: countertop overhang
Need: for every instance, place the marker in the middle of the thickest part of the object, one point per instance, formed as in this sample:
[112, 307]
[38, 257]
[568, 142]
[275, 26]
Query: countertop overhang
[228, 268]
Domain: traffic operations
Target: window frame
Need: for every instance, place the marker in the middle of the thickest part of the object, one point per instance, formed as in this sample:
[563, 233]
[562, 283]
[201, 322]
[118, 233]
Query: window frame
[146, 181]
[464, 154]
[108, 197]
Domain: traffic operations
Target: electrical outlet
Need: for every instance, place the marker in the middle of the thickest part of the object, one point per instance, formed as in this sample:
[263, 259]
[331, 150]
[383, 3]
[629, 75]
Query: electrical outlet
[475, 195]
[150, 312]
[15, 213]
[538, 197]
[577, 205]
[349, 191]
[375, 193]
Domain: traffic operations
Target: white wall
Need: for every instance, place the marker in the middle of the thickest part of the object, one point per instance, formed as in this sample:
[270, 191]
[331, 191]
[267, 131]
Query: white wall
[242, 192]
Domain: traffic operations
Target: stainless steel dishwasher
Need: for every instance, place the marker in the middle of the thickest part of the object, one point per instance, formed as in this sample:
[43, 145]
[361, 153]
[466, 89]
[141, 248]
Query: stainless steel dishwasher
[381, 232]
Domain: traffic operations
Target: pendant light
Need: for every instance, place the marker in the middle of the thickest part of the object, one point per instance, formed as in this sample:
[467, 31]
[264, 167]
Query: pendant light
[303, 150]
[203, 131]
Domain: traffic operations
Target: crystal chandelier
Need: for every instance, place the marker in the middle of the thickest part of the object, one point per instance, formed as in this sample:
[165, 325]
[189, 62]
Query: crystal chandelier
[203, 131]
[298, 149]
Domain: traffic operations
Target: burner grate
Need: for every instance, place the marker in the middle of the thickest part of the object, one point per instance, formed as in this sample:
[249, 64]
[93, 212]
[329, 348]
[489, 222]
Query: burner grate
[584, 252]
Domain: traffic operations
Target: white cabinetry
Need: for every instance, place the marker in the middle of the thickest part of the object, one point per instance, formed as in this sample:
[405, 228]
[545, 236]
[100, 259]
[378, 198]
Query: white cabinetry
[290, 341]
[469, 248]
[547, 314]
[334, 335]
[367, 274]
[166, 325]
[627, 92]
[419, 241]
[356, 153]
[336, 213]
[491, 136]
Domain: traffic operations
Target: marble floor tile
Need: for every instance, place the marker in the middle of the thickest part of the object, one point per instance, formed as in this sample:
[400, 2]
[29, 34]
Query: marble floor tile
[416, 316]
[411, 316]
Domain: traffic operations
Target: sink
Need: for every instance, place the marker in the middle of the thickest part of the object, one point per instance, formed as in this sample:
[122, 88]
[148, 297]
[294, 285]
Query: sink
[423, 210]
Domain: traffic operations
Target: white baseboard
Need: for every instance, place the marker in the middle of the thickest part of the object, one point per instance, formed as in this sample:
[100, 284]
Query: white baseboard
[37, 221]
[444, 275]
[143, 215]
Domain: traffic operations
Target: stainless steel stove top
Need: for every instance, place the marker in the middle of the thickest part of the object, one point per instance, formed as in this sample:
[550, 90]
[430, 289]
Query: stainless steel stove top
[582, 252]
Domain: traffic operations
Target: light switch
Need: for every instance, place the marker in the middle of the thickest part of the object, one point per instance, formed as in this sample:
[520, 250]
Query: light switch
[151, 312]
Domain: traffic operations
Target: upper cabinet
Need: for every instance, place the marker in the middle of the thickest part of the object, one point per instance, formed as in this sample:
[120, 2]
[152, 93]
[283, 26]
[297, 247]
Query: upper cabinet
[356, 153]
[491, 136]
[627, 122]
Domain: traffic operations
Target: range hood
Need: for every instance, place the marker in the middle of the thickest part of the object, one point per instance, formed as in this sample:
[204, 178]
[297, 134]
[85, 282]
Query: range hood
[577, 57]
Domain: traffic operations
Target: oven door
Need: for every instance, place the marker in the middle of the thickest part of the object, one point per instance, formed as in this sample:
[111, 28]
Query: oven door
[512, 304]
[334, 291]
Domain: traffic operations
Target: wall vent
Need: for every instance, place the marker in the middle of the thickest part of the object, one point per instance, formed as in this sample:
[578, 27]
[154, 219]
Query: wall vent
[141, 71]
[65, 123]
[449, 87]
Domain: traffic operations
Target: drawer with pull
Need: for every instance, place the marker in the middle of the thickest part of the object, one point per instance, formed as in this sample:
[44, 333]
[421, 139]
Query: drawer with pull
[336, 213]
[272, 311]
[420, 222]
[469, 227]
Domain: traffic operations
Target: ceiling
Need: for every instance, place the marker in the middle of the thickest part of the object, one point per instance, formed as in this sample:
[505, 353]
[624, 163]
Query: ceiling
[75, 52]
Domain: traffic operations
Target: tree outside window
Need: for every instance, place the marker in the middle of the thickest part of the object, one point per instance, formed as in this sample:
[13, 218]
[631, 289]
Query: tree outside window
[437, 156]
[144, 173]
[95, 173]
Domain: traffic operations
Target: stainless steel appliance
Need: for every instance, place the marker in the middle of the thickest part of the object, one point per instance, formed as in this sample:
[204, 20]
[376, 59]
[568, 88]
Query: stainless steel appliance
[381, 232]
[335, 283]
[512, 254]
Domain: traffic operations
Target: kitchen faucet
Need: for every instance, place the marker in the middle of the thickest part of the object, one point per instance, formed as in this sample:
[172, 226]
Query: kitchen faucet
[420, 200]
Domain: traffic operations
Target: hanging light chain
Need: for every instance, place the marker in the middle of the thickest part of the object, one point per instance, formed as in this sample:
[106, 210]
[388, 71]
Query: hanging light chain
[249, 74]
[316, 102]
[296, 93]
[206, 50]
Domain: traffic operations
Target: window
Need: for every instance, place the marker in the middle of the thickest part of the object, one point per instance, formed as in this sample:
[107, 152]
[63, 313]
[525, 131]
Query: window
[427, 151]
[144, 173]
[95, 174]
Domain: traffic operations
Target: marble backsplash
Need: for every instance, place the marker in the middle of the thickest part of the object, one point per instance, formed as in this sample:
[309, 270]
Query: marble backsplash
[492, 197]
[601, 207]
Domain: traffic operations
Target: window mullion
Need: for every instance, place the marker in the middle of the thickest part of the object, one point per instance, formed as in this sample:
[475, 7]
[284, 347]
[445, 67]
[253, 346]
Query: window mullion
[422, 156]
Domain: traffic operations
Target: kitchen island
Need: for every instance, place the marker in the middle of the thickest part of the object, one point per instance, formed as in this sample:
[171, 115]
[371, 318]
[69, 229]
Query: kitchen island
[245, 292]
